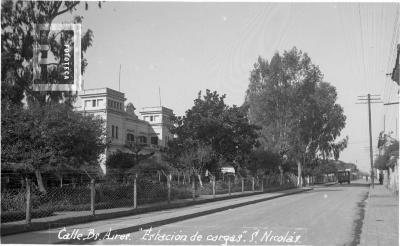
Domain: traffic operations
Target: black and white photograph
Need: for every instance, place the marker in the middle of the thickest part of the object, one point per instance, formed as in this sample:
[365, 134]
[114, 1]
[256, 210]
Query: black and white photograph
[200, 123]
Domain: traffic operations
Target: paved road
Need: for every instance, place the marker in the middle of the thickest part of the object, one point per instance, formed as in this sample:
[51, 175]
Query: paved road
[325, 216]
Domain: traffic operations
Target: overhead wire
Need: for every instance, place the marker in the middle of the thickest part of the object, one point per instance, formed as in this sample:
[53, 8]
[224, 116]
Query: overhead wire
[362, 46]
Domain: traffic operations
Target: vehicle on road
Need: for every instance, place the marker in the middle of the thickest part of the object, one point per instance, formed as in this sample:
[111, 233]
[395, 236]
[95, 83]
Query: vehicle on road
[343, 176]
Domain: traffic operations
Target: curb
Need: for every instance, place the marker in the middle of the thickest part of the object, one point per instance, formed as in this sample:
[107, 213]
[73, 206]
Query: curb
[37, 226]
[179, 218]
[324, 185]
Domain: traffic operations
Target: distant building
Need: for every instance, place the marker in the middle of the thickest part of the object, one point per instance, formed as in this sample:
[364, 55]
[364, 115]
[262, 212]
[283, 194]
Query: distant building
[123, 125]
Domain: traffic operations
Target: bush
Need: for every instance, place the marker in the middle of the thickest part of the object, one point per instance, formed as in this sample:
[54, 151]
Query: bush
[13, 200]
[181, 192]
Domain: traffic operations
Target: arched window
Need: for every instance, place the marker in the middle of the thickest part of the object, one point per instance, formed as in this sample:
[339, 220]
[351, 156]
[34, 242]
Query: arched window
[130, 137]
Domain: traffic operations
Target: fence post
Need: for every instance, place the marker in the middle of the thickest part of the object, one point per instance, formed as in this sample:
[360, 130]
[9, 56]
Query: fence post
[193, 188]
[28, 201]
[229, 184]
[242, 184]
[92, 196]
[262, 184]
[135, 191]
[213, 187]
[252, 184]
[169, 187]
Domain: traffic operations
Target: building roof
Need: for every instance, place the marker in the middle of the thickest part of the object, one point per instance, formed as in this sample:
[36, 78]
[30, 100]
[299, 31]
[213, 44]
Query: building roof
[156, 109]
[102, 92]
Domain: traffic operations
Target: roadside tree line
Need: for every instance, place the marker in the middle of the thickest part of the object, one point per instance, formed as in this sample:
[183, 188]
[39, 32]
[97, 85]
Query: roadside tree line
[289, 120]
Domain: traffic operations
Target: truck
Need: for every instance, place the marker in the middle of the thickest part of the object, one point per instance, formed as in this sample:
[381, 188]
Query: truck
[343, 176]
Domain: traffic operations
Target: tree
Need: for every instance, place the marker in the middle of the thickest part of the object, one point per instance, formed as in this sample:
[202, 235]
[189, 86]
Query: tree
[390, 152]
[194, 158]
[51, 138]
[264, 161]
[124, 162]
[136, 149]
[296, 109]
[18, 36]
[210, 124]
[34, 137]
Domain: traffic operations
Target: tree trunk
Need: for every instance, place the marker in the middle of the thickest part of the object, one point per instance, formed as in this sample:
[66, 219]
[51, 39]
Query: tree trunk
[40, 181]
[200, 182]
[299, 175]
[193, 187]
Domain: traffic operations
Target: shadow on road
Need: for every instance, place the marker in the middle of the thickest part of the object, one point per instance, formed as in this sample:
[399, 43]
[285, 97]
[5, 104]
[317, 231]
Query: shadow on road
[352, 185]
[326, 190]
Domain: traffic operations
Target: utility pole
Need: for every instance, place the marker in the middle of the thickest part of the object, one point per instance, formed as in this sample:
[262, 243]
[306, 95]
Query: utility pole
[119, 78]
[370, 100]
[159, 95]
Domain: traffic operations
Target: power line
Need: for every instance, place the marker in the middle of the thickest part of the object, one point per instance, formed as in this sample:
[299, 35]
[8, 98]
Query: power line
[362, 45]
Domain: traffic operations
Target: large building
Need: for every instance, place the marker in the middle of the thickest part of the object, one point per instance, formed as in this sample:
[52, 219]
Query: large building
[150, 128]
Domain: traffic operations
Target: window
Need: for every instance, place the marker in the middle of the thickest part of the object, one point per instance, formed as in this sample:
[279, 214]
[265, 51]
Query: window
[130, 137]
[93, 103]
[154, 140]
[116, 132]
[109, 103]
[99, 102]
[87, 103]
[151, 118]
[143, 139]
[112, 131]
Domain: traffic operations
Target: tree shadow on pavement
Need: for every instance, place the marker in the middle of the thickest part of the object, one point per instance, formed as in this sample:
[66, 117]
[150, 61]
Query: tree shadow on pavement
[352, 185]
[326, 190]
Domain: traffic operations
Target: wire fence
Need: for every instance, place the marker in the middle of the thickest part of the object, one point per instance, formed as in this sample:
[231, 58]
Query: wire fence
[27, 203]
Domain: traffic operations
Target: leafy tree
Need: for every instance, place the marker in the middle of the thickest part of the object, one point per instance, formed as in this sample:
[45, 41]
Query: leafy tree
[120, 161]
[390, 155]
[194, 158]
[18, 20]
[36, 136]
[210, 124]
[51, 138]
[264, 161]
[125, 161]
[296, 109]
[136, 150]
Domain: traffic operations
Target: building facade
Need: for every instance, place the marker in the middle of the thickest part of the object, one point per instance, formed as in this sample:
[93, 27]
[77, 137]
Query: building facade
[150, 128]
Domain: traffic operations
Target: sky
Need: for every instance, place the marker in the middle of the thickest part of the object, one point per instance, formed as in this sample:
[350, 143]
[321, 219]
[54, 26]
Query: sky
[183, 48]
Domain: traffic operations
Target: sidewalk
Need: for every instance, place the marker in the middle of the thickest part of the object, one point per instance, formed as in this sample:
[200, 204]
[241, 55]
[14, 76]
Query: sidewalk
[78, 217]
[381, 222]
[133, 223]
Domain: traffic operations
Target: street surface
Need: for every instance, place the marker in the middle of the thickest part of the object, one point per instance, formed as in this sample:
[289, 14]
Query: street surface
[329, 215]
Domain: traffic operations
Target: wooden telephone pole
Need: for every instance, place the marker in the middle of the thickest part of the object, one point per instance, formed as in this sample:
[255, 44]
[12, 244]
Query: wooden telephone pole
[370, 99]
